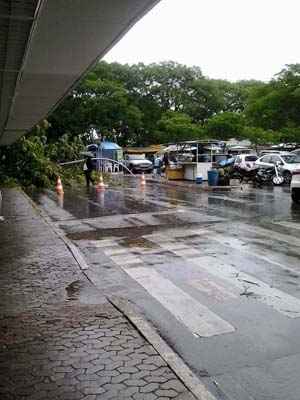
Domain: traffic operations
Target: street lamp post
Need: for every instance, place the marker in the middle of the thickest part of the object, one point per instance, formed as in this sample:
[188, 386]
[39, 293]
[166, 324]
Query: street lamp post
[98, 141]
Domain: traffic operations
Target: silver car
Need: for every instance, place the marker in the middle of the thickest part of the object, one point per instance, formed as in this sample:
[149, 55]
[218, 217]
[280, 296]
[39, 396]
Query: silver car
[287, 163]
[138, 163]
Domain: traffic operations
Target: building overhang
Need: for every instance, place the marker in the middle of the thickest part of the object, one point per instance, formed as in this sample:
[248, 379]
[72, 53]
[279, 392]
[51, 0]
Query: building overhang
[47, 46]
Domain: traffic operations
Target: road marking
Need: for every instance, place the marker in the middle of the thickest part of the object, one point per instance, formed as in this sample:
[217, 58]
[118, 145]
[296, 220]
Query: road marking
[195, 316]
[97, 243]
[188, 252]
[126, 259]
[287, 224]
[252, 287]
[238, 244]
[164, 240]
[233, 200]
[213, 289]
[271, 234]
[172, 246]
[115, 250]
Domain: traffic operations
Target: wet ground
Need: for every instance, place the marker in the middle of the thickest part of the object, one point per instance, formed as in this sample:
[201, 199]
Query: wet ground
[218, 274]
[60, 339]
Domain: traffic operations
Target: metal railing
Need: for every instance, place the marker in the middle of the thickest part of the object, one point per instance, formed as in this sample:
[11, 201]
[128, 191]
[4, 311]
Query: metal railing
[99, 159]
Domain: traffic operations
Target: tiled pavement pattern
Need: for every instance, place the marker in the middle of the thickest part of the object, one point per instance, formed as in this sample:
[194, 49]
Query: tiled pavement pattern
[59, 339]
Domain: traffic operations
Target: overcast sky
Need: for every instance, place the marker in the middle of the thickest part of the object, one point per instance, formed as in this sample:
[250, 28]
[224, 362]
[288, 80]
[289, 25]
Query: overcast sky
[227, 39]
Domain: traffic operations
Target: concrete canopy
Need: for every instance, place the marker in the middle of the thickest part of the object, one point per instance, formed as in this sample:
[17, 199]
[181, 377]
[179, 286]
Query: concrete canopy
[45, 48]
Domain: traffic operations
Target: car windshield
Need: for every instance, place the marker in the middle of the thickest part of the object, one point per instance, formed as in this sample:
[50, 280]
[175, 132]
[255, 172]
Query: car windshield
[250, 158]
[291, 158]
[136, 157]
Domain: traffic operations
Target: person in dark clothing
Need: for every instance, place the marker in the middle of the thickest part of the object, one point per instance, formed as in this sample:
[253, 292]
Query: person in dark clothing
[87, 169]
[166, 160]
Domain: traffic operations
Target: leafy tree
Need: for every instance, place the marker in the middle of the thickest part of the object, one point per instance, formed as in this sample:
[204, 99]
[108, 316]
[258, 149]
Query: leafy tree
[259, 136]
[130, 100]
[277, 105]
[26, 163]
[289, 135]
[177, 126]
[225, 126]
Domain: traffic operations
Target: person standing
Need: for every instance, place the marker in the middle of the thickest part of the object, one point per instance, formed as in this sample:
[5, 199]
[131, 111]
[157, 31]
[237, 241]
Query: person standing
[157, 165]
[88, 169]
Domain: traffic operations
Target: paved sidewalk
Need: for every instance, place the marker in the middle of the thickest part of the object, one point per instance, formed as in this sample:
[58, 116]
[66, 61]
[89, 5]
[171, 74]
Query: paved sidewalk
[59, 337]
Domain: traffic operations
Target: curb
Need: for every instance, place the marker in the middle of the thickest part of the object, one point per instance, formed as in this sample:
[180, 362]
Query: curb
[177, 365]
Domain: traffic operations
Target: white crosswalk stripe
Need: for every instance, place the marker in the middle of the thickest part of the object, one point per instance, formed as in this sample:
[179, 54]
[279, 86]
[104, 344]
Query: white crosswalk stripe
[213, 289]
[126, 259]
[196, 317]
[243, 246]
[251, 286]
[288, 224]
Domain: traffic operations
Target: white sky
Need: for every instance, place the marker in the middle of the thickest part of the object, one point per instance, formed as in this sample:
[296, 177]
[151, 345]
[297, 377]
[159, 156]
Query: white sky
[227, 39]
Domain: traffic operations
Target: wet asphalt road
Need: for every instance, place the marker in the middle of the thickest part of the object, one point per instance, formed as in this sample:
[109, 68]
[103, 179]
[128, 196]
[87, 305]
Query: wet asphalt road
[217, 273]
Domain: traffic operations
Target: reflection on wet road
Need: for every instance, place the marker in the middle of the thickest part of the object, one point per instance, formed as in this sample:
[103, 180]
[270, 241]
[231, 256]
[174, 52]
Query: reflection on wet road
[217, 273]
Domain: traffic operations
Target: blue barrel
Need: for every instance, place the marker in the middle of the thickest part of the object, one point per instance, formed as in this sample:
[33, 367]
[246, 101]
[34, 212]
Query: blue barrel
[199, 180]
[213, 177]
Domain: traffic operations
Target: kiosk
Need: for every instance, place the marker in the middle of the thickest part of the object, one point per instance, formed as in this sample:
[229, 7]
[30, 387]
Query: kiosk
[193, 159]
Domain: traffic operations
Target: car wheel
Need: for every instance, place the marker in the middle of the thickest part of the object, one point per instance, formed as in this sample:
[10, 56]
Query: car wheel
[287, 177]
[277, 180]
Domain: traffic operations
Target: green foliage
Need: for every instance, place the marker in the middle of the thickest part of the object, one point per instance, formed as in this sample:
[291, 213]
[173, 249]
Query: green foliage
[225, 126]
[289, 135]
[129, 102]
[259, 136]
[31, 161]
[177, 126]
[66, 148]
[276, 105]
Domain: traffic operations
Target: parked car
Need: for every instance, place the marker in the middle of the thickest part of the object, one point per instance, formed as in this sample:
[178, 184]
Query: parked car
[287, 163]
[297, 152]
[295, 185]
[269, 152]
[138, 163]
[245, 161]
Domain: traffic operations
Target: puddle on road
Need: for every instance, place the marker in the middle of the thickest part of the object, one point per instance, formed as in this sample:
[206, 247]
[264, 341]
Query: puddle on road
[169, 219]
[87, 203]
[131, 232]
[138, 242]
[74, 289]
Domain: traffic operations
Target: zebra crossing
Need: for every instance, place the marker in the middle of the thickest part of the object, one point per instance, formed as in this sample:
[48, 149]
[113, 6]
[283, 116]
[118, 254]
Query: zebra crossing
[217, 274]
[211, 277]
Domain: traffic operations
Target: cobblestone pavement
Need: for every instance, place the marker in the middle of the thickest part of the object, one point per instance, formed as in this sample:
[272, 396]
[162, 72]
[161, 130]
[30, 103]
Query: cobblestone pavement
[59, 337]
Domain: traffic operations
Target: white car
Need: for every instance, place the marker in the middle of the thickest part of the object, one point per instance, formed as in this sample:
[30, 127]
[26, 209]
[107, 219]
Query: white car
[287, 163]
[295, 185]
[138, 163]
[297, 151]
[245, 161]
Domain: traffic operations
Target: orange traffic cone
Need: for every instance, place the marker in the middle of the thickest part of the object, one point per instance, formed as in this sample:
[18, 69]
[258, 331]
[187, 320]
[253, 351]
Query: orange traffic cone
[143, 180]
[100, 185]
[59, 187]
